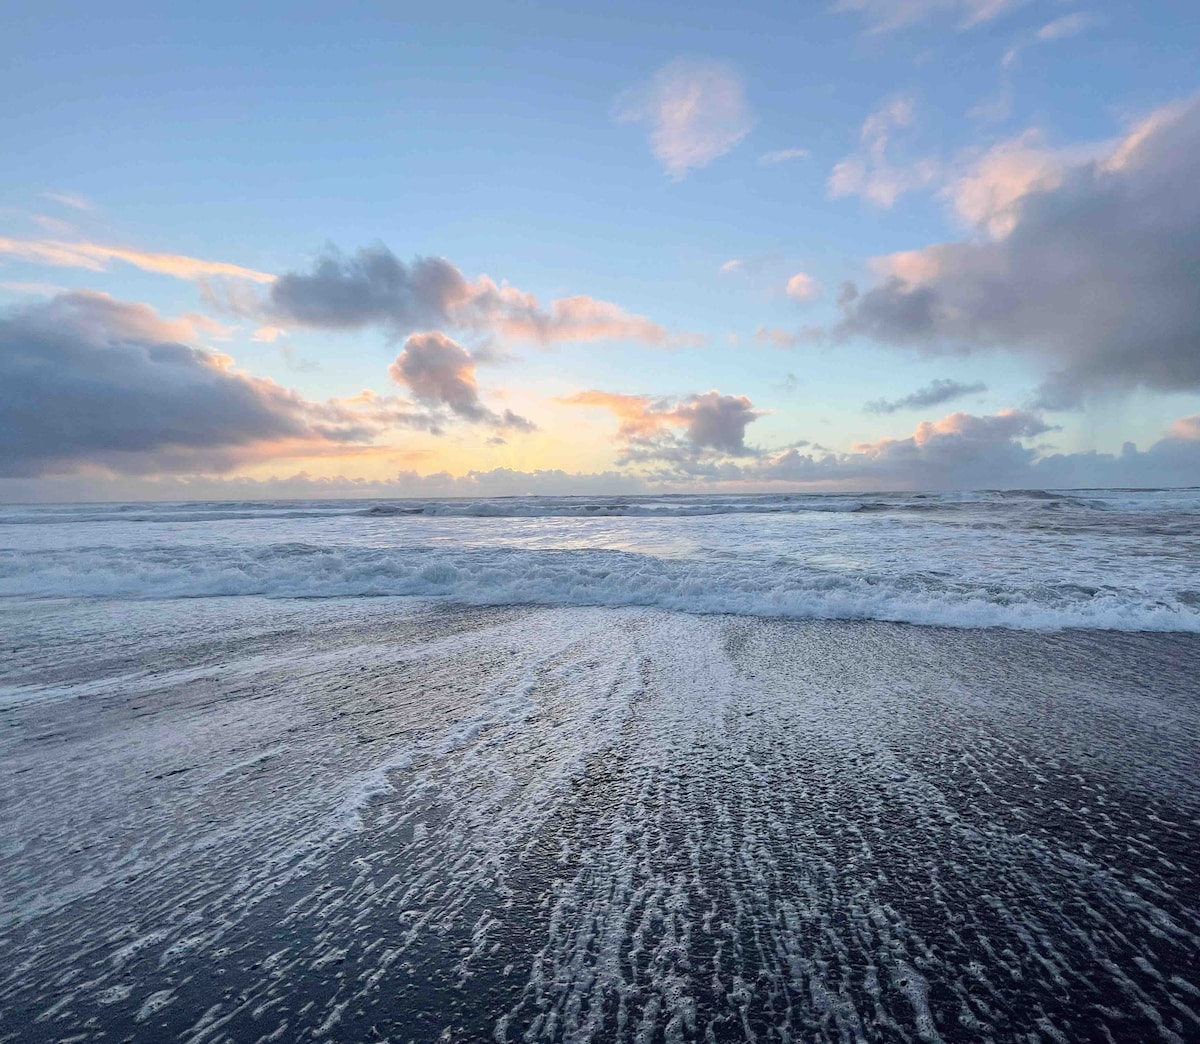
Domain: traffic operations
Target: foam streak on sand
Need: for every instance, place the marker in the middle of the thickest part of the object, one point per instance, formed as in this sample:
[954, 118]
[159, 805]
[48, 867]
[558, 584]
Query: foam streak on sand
[362, 819]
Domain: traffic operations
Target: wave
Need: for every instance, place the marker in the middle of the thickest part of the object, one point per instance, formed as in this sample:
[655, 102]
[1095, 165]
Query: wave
[778, 588]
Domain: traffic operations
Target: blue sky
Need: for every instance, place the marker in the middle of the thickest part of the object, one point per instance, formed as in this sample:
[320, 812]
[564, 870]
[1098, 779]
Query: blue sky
[678, 162]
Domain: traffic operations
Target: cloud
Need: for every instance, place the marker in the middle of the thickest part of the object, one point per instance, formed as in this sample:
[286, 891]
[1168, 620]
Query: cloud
[768, 159]
[1091, 272]
[989, 193]
[1059, 29]
[781, 338]
[88, 380]
[888, 15]
[803, 287]
[682, 432]
[870, 172]
[33, 288]
[697, 111]
[958, 450]
[1067, 25]
[441, 375]
[96, 257]
[73, 200]
[935, 393]
[963, 451]
[373, 287]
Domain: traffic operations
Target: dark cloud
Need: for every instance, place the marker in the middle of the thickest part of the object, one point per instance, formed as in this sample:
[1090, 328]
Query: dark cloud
[936, 392]
[681, 432]
[1091, 267]
[717, 422]
[375, 288]
[440, 373]
[85, 379]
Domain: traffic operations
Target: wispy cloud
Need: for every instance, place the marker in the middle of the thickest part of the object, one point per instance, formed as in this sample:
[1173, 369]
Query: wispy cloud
[768, 159]
[96, 257]
[935, 393]
[871, 172]
[73, 200]
[1067, 25]
[34, 288]
[887, 15]
[696, 110]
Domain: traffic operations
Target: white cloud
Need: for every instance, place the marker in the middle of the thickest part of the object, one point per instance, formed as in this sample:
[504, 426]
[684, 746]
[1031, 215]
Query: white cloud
[803, 287]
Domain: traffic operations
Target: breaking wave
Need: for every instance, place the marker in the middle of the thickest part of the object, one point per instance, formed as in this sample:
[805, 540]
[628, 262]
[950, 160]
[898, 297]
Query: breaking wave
[777, 588]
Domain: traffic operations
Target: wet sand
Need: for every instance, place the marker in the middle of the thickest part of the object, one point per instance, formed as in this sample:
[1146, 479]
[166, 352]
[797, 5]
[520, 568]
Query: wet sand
[358, 819]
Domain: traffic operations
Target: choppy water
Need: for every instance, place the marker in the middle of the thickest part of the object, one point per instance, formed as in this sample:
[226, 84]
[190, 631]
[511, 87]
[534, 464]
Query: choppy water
[250, 816]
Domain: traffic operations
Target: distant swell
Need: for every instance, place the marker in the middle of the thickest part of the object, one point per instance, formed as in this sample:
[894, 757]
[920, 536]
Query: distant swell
[997, 503]
[780, 588]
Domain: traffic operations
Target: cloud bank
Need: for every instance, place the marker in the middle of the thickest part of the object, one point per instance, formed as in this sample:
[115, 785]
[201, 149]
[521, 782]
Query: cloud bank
[963, 451]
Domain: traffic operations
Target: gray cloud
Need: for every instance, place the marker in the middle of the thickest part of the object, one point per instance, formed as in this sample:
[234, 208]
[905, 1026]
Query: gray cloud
[718, 422]
[86, 379]
[1092, 272]
[441, 375]
[939, 390]
[682, 432]
[375, 288]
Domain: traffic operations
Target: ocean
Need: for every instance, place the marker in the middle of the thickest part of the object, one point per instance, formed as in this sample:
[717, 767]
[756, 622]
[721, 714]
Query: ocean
[909, 767]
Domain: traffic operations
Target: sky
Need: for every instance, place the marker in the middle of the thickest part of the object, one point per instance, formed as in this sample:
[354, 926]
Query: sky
[369, 249]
